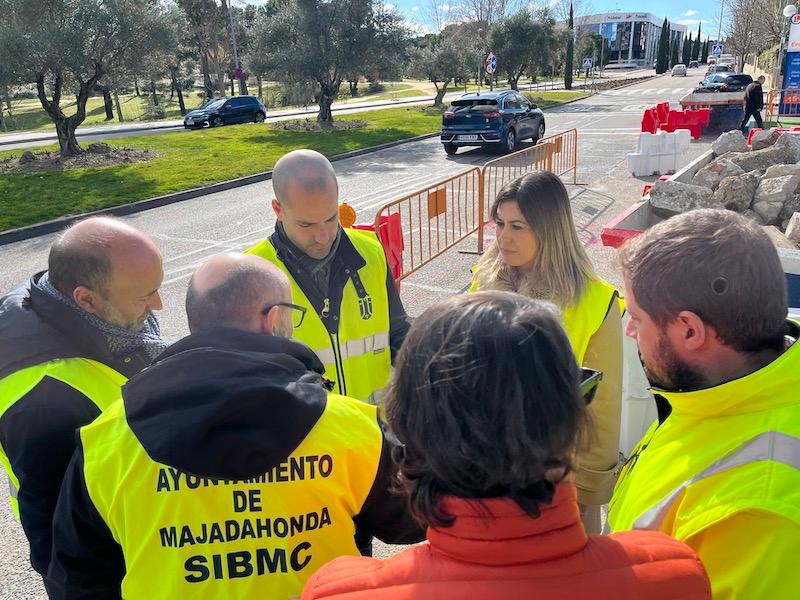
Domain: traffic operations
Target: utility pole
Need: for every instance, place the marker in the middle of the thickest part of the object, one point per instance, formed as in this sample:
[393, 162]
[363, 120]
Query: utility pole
[235, 51]
[719, 31]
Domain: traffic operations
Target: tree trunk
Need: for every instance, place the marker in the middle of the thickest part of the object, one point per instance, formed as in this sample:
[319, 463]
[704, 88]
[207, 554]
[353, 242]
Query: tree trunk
[233, 90]
[440, 92]
[513, 83]
[120, 118]
[172, 90]
[66, 126]
[68, 143]
[207, 87]
[173, 72]
[327, 93]
[136, 87]
[353, 87]
[153, 92]
[108, 103]
[243, 86]
[260, 88]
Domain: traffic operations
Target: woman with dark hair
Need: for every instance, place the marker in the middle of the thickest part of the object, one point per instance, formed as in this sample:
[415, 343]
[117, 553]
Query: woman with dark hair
[538, 254]
[487, 402]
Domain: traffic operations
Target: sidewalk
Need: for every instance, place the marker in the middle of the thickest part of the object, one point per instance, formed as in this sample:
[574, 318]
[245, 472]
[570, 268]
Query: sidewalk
[24, 137]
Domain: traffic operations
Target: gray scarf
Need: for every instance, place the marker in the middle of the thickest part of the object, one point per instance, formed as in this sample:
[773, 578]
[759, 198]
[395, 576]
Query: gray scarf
[121, 341]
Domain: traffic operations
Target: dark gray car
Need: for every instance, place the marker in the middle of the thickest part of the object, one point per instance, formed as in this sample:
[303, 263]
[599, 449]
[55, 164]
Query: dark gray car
[226, 111]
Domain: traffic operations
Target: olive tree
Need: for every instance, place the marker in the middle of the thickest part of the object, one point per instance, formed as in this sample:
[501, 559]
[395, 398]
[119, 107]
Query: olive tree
[69, 45]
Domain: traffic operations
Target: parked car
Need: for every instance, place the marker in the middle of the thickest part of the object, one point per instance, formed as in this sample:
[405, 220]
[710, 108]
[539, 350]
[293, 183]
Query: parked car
[679, 70]
[226, 111]
[493, 119]
[694, 64]
[719, 69]
[724, 82]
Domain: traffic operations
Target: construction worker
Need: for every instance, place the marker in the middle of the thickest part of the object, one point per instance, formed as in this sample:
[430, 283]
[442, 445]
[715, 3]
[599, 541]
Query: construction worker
[69, 338]
[356, 321]
[226, 470]
[720, 469]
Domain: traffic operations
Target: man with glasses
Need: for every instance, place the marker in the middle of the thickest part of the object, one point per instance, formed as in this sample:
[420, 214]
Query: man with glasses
[226, 470]
[355, 321]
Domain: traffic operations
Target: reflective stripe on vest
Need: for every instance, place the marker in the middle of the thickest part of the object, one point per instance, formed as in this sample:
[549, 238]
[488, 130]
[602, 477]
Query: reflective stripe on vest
[357, 358]
[98, 382]
[768, 446]
[13, 490]
[188, 536]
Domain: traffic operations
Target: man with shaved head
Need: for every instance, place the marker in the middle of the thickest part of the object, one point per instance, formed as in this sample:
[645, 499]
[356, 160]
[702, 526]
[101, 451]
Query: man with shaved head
[69, 338]
[356, 321]
[226, 470]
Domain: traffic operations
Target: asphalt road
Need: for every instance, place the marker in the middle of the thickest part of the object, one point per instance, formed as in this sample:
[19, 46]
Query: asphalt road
[12, 141]
[190, 232]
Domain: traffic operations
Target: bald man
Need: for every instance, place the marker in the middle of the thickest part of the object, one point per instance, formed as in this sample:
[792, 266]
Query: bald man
[226, 470]
[356, 321]
[69, 338]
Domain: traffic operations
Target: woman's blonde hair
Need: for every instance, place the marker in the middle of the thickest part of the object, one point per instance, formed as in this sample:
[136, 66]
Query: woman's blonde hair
[561, 267]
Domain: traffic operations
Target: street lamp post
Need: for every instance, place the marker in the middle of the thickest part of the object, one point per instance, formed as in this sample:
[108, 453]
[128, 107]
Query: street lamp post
[789, 11]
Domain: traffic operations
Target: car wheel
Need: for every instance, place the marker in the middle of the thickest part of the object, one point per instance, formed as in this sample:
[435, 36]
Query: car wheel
[539, 132]
[451, 149]
[511, 141]
[217, 122]
[259, 118]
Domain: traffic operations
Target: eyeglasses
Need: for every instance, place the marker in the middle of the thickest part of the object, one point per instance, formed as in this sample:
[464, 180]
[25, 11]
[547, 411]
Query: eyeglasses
[298, 312]
[590, 379]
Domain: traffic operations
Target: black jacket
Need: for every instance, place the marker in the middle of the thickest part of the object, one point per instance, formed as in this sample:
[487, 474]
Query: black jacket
[754, 96]
[224, 404]
[347, 260]
[37, 432]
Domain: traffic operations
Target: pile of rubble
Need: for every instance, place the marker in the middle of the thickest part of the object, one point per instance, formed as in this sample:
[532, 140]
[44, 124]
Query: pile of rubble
[761, 183]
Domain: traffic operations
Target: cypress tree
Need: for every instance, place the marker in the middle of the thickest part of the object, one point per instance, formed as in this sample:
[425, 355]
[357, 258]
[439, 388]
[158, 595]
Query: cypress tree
[696, 47]
[704, 55]
[570, 52]
[687, 50]
[673, 57]
[661, 57]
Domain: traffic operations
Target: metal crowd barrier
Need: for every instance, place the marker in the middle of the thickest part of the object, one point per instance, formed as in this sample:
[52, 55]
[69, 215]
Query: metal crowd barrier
[441, 215]
[782, 103]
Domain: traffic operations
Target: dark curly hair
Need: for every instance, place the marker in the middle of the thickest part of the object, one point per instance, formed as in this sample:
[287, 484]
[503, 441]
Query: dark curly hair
[486, 401]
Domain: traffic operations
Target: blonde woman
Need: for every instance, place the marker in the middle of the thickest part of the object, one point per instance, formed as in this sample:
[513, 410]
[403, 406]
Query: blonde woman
[537, 253]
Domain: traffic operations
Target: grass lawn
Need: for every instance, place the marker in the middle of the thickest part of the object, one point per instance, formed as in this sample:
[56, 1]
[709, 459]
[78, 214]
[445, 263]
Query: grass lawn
[192, 159]
[548, 99]
[187, 160]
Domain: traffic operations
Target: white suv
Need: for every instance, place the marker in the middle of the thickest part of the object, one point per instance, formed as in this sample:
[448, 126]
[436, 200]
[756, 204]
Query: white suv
[679, 69]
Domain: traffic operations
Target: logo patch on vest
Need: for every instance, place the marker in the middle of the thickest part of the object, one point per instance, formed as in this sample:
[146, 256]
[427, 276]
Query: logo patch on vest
[365, 306]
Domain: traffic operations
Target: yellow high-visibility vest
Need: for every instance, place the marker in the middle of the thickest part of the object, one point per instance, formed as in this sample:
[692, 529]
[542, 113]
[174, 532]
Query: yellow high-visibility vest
[357, 357]
[582, 319]
[723, 451]
[187, 536]
[98, 382]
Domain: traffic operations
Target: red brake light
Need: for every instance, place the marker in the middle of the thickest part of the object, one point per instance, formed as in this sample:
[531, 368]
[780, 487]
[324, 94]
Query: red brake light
[492, 114]
[725, 86]
[449, 115]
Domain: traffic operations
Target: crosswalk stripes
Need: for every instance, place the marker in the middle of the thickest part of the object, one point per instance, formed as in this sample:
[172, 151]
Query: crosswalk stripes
[649, 92]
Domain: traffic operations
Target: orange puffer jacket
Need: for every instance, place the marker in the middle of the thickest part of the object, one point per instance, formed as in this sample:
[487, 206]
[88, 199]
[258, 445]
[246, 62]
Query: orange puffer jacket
[495, 551]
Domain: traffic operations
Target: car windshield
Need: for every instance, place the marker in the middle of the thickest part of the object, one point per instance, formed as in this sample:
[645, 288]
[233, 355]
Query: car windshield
[473, 104]
[214, 104]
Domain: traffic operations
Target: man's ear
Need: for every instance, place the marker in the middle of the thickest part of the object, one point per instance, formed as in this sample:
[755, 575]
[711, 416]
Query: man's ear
[87, 299]
[270, 320]
[689, 331]
[277, 209]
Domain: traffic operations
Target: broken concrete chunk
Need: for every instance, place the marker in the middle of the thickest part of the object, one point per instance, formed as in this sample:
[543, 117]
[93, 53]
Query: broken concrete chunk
[793, 229]
[790, 143]
[730, 141]
[668, 198]
[778, 239]
[737, 192]
[782, 170]
[710, 175]
[764, 139]
[777, 189]
[761, 160]
[768, 211]
[753, 216]
[791, 206]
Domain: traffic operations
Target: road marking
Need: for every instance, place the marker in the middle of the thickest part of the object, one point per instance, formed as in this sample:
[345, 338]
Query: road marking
[431, 288]
[662, 90]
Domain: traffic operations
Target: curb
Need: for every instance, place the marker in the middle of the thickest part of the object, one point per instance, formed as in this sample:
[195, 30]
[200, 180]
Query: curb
[31, 231]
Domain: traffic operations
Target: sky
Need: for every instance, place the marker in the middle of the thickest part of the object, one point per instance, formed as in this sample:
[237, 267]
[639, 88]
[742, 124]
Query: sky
[685, 12]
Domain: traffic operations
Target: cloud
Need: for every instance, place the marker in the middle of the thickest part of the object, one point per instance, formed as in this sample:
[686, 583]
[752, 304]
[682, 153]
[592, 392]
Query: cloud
[414, 9]
[690, 13]
[389, 7]
[692, 21]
